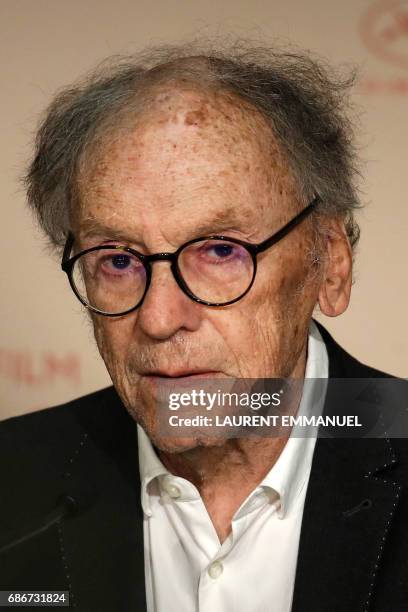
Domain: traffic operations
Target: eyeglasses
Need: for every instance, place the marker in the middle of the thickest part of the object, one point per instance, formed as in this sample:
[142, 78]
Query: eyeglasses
[212, 270]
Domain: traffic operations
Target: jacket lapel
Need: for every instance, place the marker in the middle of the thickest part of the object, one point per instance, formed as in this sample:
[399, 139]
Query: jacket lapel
[74, 522]
[347, 515]
[103, 542]
[348, 511]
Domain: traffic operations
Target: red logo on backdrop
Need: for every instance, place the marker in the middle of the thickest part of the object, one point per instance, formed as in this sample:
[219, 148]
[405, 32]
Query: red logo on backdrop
[384, 30]
[37, 369]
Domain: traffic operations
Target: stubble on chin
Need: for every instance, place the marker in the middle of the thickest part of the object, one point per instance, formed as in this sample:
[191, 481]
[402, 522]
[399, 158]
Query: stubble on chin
[148, 411]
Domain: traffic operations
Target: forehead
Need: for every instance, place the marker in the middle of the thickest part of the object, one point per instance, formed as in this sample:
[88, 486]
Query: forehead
[192, 157]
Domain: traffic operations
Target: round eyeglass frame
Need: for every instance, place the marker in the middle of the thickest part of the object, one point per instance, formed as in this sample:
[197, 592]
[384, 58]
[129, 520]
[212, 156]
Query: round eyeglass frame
[67, 263]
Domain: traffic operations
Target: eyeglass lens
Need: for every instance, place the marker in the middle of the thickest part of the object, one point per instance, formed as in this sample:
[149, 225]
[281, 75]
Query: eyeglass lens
[114, 281]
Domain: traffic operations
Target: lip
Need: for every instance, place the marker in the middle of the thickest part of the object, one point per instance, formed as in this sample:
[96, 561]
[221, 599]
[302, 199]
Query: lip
[183, 374]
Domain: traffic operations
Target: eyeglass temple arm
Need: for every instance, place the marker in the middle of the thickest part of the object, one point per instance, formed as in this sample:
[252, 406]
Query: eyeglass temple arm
[67, 250]
[289, 226]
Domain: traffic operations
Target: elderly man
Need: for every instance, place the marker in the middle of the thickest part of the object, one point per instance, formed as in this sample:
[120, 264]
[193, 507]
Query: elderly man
[203, 204]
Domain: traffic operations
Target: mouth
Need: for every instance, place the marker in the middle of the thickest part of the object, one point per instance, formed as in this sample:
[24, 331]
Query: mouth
[183, 374]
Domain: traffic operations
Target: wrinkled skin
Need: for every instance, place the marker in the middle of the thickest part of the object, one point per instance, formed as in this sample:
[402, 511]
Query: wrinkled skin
[197, 164]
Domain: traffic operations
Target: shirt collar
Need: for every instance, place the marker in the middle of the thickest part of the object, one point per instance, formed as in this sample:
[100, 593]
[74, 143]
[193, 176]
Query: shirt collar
[289, 474]
[150, 467]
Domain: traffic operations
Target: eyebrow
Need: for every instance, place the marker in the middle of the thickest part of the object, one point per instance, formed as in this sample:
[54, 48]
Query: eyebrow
[93, 228]
[224, 220]
[218, 224]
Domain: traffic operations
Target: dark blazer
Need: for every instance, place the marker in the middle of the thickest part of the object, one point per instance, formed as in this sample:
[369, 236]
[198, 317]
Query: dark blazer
[71, 519]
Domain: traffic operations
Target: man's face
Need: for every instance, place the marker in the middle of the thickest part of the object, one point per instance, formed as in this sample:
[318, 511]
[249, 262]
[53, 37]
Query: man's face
[198, 164]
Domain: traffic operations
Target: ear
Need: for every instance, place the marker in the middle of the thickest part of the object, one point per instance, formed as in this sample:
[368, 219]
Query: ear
[335, 289]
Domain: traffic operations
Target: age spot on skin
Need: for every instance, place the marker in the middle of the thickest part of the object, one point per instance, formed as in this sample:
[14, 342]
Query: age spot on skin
[196, 117]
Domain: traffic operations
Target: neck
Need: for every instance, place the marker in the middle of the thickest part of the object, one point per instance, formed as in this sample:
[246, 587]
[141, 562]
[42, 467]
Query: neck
[226, 474]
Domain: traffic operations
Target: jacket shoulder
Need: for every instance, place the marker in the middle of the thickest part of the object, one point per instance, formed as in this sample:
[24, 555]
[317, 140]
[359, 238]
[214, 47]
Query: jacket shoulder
[103, 403]
[57, 431]
[39, 448]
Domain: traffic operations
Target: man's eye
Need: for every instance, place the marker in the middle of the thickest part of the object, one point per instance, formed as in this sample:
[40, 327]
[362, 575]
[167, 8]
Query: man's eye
[222, 250]
[120, 262]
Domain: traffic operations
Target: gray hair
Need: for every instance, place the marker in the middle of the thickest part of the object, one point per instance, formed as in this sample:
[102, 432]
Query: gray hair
[304, 101]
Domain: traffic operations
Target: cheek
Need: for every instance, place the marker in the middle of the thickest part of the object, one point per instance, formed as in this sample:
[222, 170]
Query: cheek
[113, 337]
[281, 301]
[289, 279]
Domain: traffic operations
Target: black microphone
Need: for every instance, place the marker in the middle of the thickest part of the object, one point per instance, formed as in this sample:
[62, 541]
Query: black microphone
[66, 506]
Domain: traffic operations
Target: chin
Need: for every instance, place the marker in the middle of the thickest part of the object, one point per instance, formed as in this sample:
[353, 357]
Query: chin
[176, 445]
[146, 411]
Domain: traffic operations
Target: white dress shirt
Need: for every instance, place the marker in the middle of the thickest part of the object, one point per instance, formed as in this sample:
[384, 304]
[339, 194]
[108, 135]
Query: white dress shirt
[253, 570]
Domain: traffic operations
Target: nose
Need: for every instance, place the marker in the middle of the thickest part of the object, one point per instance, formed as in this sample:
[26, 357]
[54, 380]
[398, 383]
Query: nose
[166, 309]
